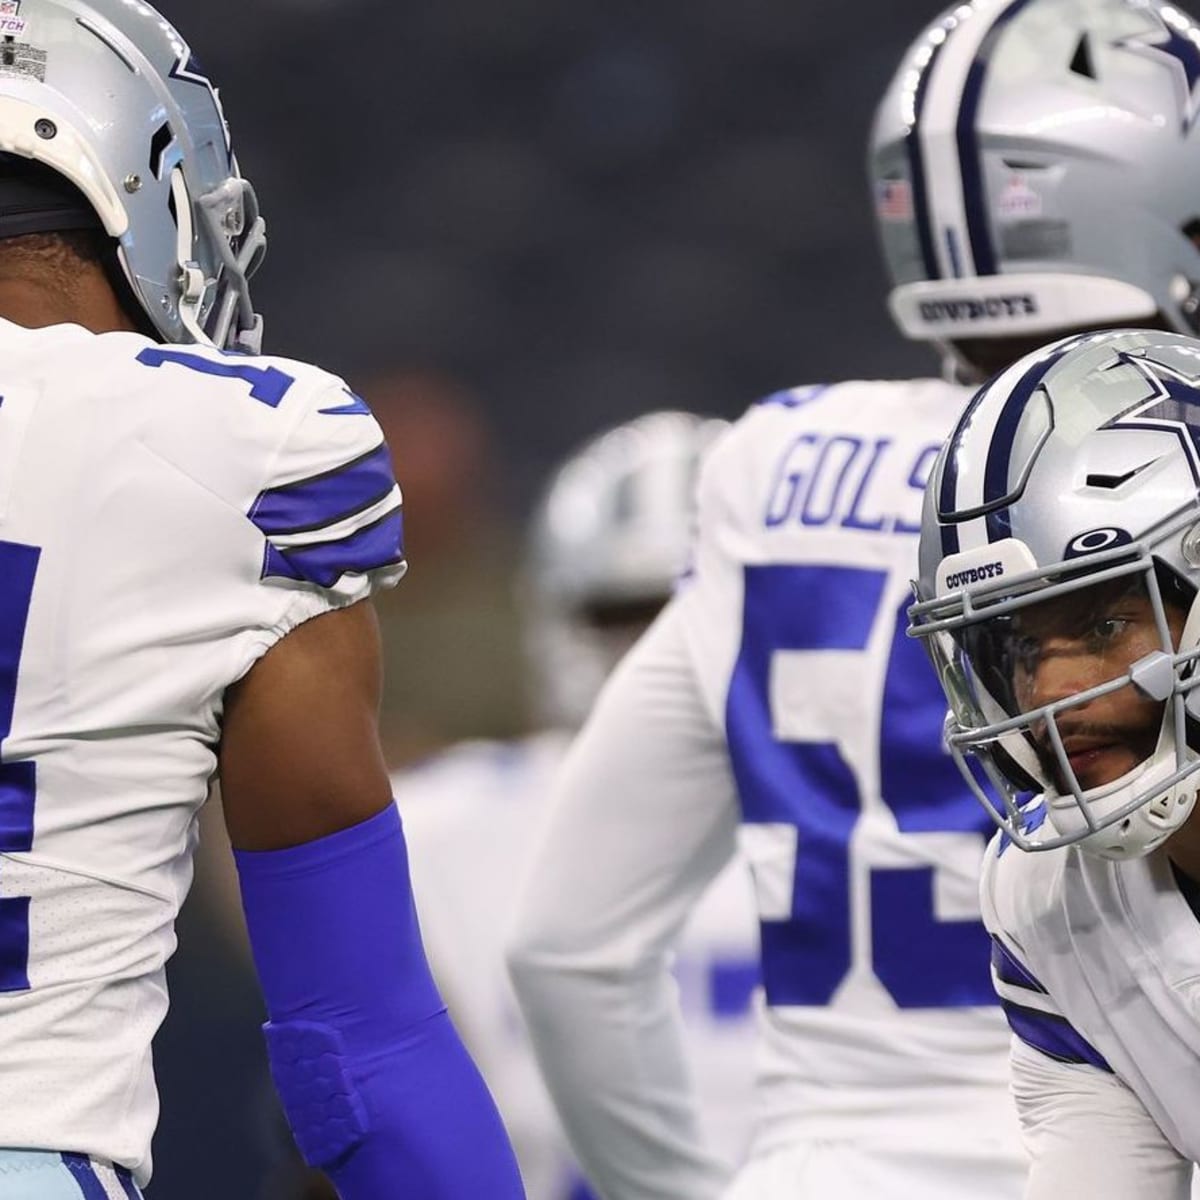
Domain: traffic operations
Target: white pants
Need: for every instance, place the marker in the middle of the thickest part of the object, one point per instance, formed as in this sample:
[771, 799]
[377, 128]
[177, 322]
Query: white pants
[44, 1175]
[843, 1170]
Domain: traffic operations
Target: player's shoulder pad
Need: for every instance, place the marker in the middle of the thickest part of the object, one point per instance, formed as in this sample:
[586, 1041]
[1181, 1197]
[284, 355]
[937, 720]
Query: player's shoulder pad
[1018, 887]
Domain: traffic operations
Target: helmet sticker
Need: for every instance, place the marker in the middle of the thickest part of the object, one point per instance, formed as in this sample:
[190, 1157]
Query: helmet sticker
[11, 24]
[893, 200]
[1175, 44]
[1018, 201]
[1095, 540]
[22, 59]
[1172, 404]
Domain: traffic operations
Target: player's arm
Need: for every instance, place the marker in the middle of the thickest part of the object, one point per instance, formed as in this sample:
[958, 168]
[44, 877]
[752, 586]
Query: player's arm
[642, 819]
[1088, 1134]
[377, 1087]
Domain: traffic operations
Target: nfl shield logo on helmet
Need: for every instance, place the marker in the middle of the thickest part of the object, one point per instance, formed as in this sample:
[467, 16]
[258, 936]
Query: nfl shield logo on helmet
[10, 18]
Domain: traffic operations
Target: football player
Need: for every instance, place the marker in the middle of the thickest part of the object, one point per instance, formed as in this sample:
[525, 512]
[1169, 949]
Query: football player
[1036, 167]
[608, 541]
[189, 533]
[1060, 556]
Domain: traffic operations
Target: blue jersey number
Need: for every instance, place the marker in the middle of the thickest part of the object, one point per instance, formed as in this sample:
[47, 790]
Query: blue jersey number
[18, 780]
[808, 791]
[268, 385]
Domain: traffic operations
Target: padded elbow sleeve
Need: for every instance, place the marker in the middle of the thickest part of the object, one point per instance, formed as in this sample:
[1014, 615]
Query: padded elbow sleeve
[378, 1089]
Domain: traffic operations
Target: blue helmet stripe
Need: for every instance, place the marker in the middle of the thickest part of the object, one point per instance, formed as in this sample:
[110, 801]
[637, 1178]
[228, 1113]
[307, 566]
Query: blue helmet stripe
[996, 471]
[947, 497]
[971, 163]
[916, 165]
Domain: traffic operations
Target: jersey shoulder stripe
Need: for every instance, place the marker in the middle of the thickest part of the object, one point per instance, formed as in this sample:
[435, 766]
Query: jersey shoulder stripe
[324, 499]
[368, 548]
[1033, 1016]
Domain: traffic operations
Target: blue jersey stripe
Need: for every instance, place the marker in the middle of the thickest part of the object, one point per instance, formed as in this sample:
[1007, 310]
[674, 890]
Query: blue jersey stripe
[85, 1175]
[1010, 970]
[379, 544]
[125, 1179]
[1053, 1035]
[327, 498]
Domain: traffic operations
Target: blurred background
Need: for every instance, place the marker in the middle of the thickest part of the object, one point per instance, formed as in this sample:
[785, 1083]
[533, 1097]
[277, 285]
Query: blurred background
[510, 224]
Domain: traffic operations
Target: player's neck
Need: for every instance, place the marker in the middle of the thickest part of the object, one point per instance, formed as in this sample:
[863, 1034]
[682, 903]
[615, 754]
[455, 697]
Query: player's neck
[91, 303]
[1184, 847]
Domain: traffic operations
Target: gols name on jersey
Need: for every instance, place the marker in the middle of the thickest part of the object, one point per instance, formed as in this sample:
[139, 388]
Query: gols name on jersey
[847, 481]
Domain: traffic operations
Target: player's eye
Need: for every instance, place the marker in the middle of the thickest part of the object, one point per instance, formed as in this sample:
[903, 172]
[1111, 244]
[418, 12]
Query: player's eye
[1025, 650]
[1108, 629]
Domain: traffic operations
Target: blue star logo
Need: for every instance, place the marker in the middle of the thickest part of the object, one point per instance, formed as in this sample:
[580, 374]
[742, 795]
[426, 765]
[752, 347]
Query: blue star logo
[1173, 403]
[1175, 44]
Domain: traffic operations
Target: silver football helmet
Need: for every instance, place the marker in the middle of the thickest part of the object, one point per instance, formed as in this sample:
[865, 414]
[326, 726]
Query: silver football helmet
[1068, 498]
[1036, 166]
[608, 540]
[107, 93]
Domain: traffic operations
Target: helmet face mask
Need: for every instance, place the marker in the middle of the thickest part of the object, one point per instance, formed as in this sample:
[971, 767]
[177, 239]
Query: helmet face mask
[116, 103]
[1071, 685]
[1060, 555]
[1016, 138]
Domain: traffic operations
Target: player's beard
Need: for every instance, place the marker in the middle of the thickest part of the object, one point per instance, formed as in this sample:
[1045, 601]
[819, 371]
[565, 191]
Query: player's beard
[1099, 752]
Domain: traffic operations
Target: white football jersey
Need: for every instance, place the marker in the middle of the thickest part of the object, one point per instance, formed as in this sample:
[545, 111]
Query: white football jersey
[1098, 963]
[469, 816]
[167, 514]
[777, 701]
[864, 843]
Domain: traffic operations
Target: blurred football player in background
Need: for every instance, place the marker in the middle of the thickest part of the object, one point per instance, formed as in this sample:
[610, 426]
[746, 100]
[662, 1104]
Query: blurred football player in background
[608, 541]
[187, 539]
[1035, 170]
[1059, 573]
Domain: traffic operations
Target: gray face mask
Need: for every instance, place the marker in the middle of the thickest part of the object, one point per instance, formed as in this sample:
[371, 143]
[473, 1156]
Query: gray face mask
[1059, 564]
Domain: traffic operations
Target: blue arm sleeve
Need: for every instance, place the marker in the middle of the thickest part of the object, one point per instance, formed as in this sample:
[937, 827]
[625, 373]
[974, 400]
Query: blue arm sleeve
[379, 1091]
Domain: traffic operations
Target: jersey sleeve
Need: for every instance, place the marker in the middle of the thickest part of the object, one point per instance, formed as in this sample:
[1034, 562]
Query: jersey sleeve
[1033, 1014]
[329, 510]
[642, 818]
[1087, 1134]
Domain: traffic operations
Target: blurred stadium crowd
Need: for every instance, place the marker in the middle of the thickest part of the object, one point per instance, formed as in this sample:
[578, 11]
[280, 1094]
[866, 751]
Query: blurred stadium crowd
[510, 226]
